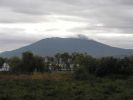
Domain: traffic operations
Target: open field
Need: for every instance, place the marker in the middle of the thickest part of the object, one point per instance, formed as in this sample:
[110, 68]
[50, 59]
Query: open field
[36, 76]
[61, 86]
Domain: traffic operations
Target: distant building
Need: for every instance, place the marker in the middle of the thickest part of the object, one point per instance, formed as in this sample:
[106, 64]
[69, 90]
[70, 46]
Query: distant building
[46, 59]
[72, 67]
[55, 64]
[5, 68]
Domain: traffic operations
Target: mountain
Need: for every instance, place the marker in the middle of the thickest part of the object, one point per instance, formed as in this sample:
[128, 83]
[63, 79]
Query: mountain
[51, 46]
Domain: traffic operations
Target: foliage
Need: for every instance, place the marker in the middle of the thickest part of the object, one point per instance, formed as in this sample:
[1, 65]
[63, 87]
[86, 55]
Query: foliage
[105, 78]
[28, 63]
[60, 89]
[15, 63]
[2, 60]
[103, 66]
[84, 65]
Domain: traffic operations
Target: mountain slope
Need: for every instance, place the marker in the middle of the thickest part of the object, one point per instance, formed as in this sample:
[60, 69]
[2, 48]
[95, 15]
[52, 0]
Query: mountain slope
[51, 46]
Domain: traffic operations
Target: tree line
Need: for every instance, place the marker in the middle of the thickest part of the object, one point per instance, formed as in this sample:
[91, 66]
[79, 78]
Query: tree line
[84, 64]
[101, 67]
[26, 64]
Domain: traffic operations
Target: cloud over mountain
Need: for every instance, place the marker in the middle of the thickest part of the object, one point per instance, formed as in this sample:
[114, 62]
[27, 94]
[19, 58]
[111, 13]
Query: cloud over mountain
[45, 18]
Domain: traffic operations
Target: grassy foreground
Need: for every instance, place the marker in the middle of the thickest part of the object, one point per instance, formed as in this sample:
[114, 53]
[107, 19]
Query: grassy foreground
[61, 86]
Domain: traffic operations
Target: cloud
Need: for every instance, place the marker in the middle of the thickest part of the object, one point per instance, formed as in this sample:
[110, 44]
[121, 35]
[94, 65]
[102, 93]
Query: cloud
[117, 40]
[12, 38]
[45, 18]
[115, 15]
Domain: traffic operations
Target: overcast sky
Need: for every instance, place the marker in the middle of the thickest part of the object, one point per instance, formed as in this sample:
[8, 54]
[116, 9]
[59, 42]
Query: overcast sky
[25, 21]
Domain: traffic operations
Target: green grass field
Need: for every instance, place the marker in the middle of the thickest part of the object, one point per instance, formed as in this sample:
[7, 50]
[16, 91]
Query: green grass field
[59, 86]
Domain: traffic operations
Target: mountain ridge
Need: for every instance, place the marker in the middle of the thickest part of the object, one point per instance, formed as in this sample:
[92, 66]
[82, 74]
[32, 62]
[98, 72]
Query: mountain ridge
[51, 46]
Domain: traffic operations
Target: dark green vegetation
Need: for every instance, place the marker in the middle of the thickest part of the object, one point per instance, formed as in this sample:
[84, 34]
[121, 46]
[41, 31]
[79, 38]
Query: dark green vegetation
[2, 60]
[65, 89]
[108, 66]
[106, 78]
[83, 64]
[27, 64]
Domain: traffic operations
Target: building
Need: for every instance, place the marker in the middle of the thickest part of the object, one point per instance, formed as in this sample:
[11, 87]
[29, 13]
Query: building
[5, 68]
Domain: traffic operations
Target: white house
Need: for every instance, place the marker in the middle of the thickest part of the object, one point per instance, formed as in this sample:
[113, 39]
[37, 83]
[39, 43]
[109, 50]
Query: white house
[5, 68]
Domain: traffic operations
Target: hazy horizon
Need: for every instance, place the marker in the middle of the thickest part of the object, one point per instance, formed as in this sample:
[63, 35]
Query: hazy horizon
[23, 22]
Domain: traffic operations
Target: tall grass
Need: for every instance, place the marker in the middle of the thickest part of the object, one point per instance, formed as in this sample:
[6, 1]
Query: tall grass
[61, 86]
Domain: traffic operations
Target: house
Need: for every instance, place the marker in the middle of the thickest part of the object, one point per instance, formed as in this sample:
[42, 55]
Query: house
[5, 68]
[55, 64]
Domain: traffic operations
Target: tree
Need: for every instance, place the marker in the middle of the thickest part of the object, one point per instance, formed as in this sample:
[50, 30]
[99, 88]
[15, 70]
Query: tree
[65, 56]
[31, 63]
[87, 65]
[126, 66]
[15, 64]
[40, 66]
[2, 60]
[107, 66]
[58, 56]
[28, 62]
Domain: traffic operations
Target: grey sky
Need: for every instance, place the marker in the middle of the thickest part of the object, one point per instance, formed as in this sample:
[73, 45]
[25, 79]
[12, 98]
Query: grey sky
[25, 21]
